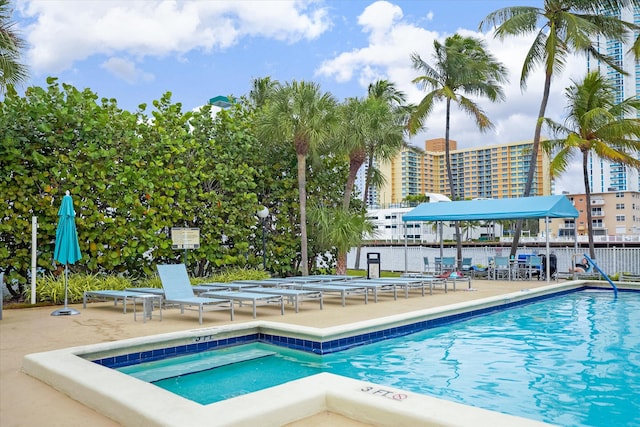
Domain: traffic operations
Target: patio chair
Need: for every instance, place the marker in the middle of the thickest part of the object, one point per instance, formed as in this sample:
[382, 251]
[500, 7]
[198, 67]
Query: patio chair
[425, 265]
[589, 273]
[178, 291]
[534, 267]
[449, 263]
[501, 269]
[467, 266]
[629, 277]
[437, 265]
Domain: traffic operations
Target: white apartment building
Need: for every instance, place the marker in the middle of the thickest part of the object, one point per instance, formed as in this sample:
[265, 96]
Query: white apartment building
[390, 228]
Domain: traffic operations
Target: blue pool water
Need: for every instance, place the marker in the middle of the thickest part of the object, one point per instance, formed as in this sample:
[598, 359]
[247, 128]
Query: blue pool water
[573, 360]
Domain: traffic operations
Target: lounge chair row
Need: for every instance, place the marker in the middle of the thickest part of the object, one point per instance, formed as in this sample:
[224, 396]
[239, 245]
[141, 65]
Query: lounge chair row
[177, 291]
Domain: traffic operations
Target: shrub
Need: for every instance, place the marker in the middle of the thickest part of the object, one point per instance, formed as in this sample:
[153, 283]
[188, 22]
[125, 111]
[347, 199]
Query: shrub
[50, 288]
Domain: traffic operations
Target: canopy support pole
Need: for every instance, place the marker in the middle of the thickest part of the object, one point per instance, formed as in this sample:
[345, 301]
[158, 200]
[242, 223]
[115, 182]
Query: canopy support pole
[575, 247]
[440, 225]
[406, 247]
[547, 265]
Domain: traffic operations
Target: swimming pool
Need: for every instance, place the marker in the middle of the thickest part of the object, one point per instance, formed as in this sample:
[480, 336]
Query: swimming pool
[129, 401]
[571, 360]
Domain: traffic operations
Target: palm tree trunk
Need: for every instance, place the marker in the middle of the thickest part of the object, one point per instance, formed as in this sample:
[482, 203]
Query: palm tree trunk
[341, 263]
[534, 155]
[452, 185]
[587, 196]
[302, 191]
[364, 199]
[355, 162]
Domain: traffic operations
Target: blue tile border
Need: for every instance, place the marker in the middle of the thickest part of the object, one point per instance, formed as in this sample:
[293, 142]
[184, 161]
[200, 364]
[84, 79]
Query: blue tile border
[208, 343]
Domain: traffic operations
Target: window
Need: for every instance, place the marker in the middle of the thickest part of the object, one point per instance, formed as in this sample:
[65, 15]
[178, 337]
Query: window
[619, 206]
[620, 218]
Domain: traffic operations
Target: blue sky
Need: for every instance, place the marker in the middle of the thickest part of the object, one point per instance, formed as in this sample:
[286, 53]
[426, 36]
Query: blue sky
[134, 51]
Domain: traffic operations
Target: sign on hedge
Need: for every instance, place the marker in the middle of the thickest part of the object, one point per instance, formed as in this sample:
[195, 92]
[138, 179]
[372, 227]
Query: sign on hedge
[185, 238]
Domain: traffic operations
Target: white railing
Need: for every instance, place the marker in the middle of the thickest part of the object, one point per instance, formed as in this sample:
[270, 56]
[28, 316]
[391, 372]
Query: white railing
[399, 238]
[392, 258]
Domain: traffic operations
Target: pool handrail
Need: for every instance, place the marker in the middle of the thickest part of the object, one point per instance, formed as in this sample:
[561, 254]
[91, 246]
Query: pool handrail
[613, 285]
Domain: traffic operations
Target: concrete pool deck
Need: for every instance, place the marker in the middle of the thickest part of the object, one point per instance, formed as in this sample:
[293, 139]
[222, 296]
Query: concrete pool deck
[26, 401]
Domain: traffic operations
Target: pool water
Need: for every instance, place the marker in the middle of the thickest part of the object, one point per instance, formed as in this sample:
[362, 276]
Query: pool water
[572, 360]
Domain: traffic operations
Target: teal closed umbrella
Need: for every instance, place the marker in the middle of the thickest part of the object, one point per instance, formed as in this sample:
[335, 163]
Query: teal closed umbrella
[67, 249]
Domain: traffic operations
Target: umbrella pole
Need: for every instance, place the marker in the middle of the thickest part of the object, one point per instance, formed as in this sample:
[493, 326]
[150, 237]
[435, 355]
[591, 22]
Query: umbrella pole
[66, 311]
[66, 283]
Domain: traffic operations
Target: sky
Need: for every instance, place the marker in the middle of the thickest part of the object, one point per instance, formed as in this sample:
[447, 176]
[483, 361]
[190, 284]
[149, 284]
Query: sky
[135, 51]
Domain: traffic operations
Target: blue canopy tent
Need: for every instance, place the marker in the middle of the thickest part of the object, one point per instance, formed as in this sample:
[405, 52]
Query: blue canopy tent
[538, 207]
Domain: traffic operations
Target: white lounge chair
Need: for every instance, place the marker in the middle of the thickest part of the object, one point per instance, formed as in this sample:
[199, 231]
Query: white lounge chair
[256, 298]
[147, 300]
[178, 291]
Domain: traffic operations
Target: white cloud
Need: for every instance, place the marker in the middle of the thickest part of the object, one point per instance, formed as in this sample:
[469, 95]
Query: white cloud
[391, 43]
[387, 55]
[66, 31]
[378, 18]
[126, 70]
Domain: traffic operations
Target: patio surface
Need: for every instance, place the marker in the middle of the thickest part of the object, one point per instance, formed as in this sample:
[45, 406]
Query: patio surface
[25, 401]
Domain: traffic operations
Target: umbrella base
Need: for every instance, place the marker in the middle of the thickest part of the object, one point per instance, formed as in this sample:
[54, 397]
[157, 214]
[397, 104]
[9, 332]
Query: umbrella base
[65, 312]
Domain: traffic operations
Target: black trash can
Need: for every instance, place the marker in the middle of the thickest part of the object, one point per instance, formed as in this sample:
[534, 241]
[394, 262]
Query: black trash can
[373, 265]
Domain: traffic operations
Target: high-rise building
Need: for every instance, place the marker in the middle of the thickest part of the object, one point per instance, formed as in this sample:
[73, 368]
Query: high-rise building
[603, 175]
[372, 194]
[493, 171]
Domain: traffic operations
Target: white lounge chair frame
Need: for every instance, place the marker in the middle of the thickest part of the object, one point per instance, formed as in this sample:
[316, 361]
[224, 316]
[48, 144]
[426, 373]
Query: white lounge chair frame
[178, 291]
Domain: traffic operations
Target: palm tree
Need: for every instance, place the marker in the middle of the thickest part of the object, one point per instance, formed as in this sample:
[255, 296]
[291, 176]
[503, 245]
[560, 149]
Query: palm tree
[462, 65]
[261, 90]
[469, 226]
[12, 71]
[383, 139]
[568, 26]
[385, 149]
[368, 129]
[595, 124]
[340, 229]
[299, 113]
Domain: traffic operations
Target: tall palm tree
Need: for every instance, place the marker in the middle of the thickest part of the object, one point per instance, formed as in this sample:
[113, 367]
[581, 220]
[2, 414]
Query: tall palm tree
[298, 112]
[369, 130]
[12, 71]
[384, 150]
[462, 66]
[567, 26]
[595, 124]
[385, 139]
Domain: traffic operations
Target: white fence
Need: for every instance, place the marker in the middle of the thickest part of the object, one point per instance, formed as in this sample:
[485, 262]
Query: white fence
[392, 258]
